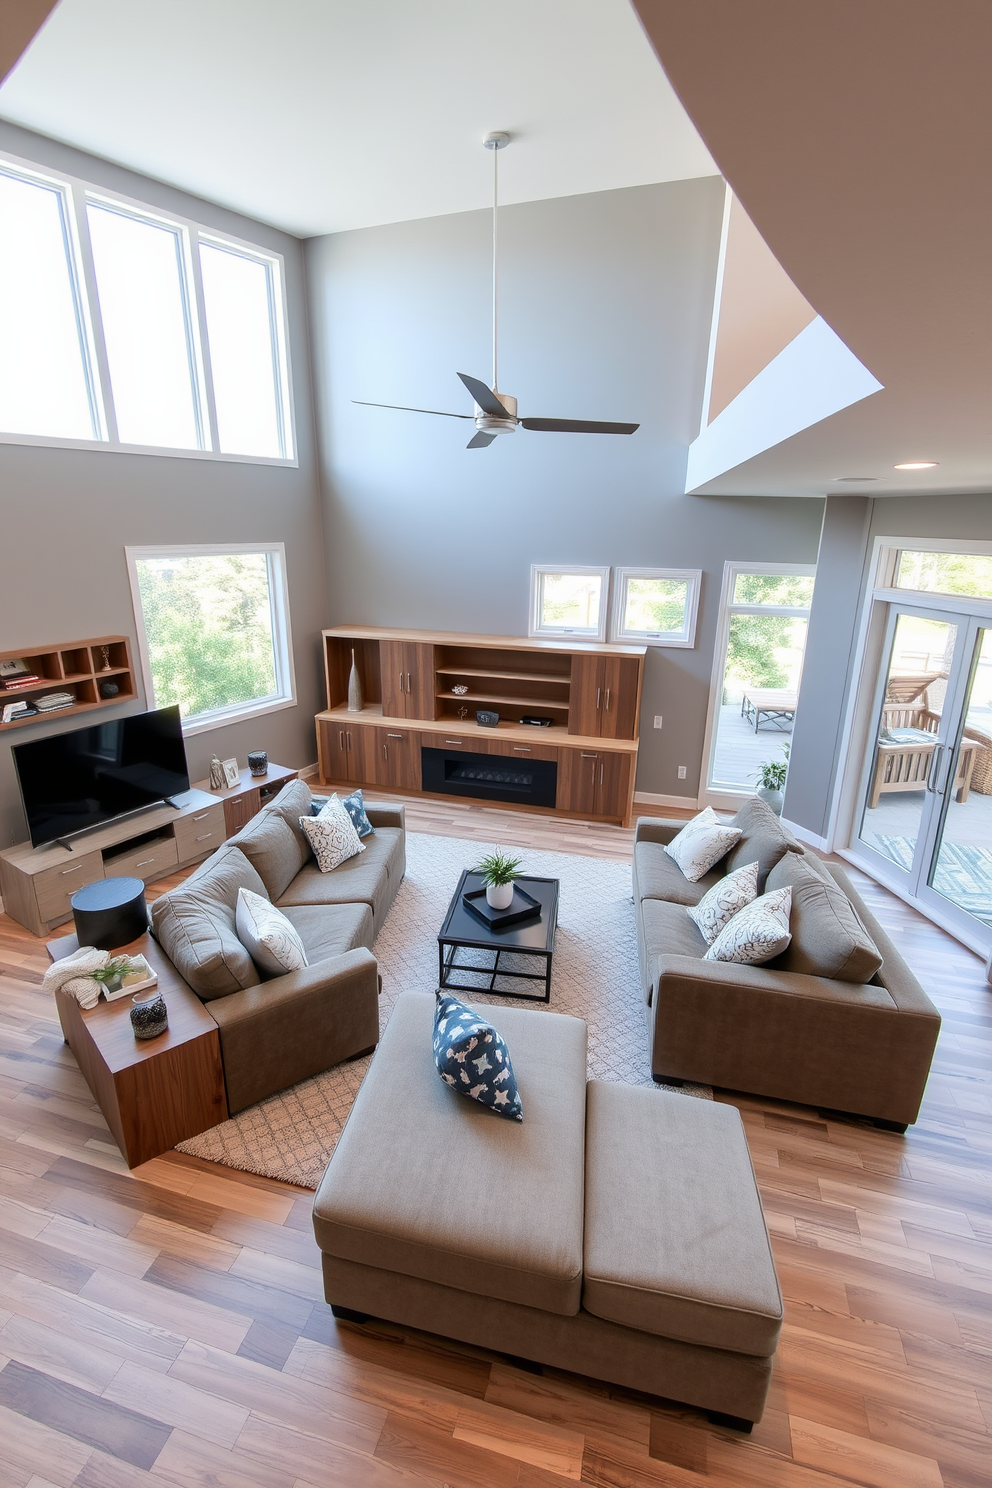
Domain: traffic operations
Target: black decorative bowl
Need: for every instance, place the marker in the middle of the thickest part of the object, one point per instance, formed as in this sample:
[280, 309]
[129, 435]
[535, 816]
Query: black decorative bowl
[486, 718]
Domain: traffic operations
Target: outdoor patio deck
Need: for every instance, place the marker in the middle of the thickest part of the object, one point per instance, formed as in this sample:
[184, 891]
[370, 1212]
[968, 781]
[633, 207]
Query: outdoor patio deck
[739, 750]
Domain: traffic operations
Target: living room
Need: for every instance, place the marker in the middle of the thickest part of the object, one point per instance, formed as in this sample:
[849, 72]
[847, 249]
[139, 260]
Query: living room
[615, 244]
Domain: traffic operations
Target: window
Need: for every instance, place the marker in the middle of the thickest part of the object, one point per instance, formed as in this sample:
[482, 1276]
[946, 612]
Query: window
[967, 574]
[657, 605]
[759, 665]
[130, 330]
[213, 630]
[568, 601]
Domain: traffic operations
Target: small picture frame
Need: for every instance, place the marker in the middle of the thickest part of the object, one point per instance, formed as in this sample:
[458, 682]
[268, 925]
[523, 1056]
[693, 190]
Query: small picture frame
[232, 775]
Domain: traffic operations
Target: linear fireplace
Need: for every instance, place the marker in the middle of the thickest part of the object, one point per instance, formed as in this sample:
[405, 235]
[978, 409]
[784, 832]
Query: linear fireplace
[489, 777]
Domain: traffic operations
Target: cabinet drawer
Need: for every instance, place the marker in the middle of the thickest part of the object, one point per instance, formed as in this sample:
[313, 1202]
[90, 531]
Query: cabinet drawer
[471, 744]
[146, 862]
[523, 751]
[53, 887]
[200, 832]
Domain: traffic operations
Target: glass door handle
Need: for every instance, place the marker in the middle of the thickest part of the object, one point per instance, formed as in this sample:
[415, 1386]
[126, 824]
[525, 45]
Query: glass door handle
[935, 760]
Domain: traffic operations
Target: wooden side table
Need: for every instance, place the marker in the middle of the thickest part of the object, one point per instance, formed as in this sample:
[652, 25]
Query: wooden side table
[154, 1093]
[252, 792]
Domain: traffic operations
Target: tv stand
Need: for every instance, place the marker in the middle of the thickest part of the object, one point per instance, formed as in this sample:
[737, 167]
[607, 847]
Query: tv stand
[37, 882]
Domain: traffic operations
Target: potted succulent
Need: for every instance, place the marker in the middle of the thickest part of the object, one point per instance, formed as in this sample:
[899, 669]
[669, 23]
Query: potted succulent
[771, 775]
[499, 870]
[112, 975]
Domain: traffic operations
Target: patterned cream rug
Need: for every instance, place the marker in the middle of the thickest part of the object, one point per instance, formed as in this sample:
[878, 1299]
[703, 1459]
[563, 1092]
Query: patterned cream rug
[292, 1135]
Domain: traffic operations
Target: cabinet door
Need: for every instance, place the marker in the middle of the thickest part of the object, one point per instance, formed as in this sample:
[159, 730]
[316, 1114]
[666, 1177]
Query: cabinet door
[393, 668]
[578, 777]
[618, 714]
[612, 785]
[419, 678]
[585, 700]
[397, 761]
[342, 755]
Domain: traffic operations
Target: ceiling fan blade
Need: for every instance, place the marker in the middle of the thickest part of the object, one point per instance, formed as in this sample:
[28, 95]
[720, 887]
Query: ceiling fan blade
[480, 440]
[404, 409]
[485, 397]
[576, 426]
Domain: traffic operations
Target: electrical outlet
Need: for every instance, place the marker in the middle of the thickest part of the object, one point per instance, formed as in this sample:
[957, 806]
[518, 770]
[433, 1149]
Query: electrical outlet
[681, 772]
[657, 720]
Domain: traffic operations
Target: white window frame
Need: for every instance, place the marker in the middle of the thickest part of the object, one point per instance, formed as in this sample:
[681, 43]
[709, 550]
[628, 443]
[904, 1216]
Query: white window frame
[537, 628]
[282, 636]
[726, 795]
[686, 637]
[76, 193]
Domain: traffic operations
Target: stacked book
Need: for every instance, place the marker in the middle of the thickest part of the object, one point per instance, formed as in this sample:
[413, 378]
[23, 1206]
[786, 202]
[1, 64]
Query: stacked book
[14, 676]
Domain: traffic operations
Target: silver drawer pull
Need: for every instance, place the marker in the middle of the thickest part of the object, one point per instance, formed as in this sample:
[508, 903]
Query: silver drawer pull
[590, 756]
[521, 749]
[202, 816]
[71, 870]
[607, 700]
[599, 694]
[206, 837]
[144, 862]
[408, 681]
[394, 736]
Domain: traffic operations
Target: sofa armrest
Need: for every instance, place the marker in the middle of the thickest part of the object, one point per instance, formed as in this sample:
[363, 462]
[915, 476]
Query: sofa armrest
[285, 1030]
[656, 829]
[392, 814]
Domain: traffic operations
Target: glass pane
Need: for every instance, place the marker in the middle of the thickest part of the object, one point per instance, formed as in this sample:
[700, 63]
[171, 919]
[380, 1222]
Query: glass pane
[764, 665]
[772, 589]
[655, 606]
[209, 627]
[239, 333]
[571, 601]
[42, 371]
[946, 573]
[963, 867]
[139, 278]
[906, 737]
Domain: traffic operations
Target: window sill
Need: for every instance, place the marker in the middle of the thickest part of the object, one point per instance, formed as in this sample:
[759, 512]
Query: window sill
[206, 722]
[104, 446]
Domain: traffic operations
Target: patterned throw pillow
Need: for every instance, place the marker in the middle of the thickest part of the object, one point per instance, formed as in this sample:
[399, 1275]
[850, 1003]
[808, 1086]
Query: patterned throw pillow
[473, 1059]
[701, 843]
[724, 900]
[757, 933]
[355, 807]
[268, 937]
[332, 835]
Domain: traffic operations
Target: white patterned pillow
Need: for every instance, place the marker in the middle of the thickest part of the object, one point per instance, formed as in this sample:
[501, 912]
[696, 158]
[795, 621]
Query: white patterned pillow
[266, 934]
[332, 835]
[757, 933]
[701, 843]
[724, 900]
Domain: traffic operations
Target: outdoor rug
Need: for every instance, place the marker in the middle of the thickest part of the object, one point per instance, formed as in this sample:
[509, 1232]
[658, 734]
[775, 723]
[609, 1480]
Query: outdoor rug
[292, 1135]
[963, 874]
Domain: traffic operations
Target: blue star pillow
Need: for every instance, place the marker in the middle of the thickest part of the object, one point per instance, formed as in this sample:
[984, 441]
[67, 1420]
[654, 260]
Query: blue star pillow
[355, 807]
[473, 1059]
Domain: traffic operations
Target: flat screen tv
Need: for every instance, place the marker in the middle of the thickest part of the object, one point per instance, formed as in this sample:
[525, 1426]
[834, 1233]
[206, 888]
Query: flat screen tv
[89, 776]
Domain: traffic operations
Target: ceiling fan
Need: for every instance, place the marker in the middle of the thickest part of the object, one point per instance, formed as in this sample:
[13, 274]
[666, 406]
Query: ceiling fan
[495, 412]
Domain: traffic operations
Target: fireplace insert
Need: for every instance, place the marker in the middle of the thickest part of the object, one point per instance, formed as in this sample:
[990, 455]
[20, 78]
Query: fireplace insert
[489, 777]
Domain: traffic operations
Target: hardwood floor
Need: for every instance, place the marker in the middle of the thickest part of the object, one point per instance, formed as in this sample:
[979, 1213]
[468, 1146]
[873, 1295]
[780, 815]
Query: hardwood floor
[166, 1326]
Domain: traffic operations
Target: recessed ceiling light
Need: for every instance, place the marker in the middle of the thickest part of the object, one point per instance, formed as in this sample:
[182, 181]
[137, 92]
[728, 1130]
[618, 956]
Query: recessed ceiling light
[916, 465]
[859, 478]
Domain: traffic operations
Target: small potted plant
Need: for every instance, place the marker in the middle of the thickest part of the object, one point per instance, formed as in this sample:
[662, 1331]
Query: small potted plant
[112, 975]
[499, 870]
[771, 775]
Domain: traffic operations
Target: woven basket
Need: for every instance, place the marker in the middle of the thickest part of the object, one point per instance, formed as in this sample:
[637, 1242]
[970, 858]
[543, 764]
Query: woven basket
[981, 776]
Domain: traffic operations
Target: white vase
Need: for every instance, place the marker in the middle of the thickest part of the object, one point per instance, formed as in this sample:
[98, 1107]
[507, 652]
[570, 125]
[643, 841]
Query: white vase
[354, 687]
[499, 896]
[774, 798]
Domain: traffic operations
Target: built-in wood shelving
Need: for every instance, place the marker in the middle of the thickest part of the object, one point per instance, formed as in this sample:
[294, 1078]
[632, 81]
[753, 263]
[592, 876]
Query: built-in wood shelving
[77, 667]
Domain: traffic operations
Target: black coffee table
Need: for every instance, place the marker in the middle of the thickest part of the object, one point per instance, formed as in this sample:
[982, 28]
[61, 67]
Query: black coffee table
[462, 930]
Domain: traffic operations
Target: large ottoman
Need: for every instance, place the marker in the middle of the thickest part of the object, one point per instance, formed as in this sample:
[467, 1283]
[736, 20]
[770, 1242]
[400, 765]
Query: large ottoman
[615, 1232]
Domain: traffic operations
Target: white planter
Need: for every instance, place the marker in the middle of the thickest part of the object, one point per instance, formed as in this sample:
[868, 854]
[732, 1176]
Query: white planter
[499, 896]
[774, 798]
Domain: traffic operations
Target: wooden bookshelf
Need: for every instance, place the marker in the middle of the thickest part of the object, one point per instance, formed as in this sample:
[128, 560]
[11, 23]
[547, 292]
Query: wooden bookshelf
[76, 667]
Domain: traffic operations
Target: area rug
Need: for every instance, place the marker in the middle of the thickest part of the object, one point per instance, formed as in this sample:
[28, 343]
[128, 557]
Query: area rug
[292, 1135]
[963, 874]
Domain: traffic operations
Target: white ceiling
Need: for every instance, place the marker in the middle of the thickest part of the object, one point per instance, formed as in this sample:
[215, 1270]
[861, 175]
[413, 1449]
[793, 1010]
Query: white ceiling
[322, 115]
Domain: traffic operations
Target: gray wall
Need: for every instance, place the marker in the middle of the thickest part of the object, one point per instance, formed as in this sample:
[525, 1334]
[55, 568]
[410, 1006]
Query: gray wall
[67, 515]
[851, 525]
[605, 312]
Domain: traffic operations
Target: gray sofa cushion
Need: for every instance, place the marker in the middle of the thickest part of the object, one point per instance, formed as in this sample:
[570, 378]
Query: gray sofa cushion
[657, 876]
[194, 924]
[828, 939]
[276, 849]
[330, 929]
[668, 930]
[764, 840]
[363, 879]
[475, 1203]
[694, 1263]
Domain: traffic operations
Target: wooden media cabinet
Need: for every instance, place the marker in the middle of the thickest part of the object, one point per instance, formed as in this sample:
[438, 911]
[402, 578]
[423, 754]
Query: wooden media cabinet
[590, 691]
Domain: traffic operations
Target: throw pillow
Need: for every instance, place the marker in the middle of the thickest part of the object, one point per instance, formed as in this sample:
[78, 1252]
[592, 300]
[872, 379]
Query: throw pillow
[701, 843]
[268, 937]
[828, 938]
[473, 1059]
[724, 900]
[332, 835]
[757, 933]
[355, 807]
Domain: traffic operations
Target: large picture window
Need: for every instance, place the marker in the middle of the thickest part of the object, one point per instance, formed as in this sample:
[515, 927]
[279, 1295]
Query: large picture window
[213, 630]
[128, 330]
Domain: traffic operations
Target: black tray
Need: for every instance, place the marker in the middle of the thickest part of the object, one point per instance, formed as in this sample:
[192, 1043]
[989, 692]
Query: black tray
[523, 906]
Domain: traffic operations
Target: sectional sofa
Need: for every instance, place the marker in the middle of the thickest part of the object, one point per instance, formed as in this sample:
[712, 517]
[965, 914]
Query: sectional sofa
[277, 1032]
[838, 1021]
